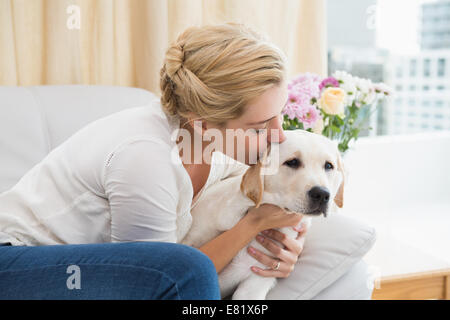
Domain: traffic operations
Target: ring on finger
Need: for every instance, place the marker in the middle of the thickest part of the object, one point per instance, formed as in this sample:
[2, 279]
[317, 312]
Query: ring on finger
[277, 266]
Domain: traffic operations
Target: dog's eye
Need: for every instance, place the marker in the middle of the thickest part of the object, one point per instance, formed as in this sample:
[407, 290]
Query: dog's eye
[293, 163]
[328, 166]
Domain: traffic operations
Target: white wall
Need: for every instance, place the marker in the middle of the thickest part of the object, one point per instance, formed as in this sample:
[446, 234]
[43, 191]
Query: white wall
[401, 186]
[398, 171]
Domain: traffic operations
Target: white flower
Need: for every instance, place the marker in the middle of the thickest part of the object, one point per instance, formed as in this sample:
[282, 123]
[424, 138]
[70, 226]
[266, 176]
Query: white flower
[348, 84]
[383, 88]
[364, 85]
[342, 75]
[360, 90]
[370, 97]
[351, 92]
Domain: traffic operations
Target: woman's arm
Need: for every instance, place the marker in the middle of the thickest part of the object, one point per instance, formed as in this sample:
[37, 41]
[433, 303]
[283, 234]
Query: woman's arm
[142, 200]
[222, 249]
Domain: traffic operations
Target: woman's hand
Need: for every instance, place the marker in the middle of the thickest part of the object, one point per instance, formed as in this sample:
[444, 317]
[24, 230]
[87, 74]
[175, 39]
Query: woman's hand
[270, 216]
[286, 251]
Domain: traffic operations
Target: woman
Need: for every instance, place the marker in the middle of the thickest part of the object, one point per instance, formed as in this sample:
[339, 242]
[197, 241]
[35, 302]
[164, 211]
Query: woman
[100, 215]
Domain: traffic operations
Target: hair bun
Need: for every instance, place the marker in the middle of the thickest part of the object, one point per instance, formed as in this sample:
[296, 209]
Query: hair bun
[223, 68]
[174, 59]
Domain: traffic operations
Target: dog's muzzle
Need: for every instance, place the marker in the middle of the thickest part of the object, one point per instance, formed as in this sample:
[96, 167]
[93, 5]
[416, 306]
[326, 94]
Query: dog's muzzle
[319, 198]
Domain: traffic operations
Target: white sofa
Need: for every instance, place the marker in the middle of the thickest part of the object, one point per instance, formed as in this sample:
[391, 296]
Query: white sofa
[36, 119]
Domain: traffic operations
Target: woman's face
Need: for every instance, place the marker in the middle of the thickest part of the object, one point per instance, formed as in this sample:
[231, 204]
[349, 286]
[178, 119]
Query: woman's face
[262, 113]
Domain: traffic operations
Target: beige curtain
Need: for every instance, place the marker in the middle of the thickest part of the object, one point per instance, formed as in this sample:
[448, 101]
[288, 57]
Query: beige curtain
[122, 42]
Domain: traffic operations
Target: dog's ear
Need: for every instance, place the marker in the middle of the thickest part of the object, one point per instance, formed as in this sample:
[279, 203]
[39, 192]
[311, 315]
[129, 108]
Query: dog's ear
[339, 198]
[252, 183]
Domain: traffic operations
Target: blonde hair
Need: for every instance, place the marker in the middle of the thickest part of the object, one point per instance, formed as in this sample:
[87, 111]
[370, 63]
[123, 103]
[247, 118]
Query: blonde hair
[213, 71]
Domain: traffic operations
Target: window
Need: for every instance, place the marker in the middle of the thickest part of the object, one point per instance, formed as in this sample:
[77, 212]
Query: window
[439, 103]
[426, 67]
[441, 67]
[399, 71]
[412, 67]
[411, 57]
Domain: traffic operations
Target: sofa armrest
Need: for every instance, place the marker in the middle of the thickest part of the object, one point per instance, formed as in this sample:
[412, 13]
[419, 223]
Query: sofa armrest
[355, 284]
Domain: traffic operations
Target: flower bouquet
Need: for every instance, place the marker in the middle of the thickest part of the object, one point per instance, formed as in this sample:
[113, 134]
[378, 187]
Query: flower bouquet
[338, 107]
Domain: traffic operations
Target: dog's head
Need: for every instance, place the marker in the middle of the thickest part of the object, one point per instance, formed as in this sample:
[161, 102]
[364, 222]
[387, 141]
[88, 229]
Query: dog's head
[309, 174]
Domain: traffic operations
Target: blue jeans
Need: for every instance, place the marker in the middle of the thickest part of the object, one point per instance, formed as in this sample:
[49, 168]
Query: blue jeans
[129, 270]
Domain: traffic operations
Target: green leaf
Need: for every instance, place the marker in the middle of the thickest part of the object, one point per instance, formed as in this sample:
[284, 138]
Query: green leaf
[335, 129]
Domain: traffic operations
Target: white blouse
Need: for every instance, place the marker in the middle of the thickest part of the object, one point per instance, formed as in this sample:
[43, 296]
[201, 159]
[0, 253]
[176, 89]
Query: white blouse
[112, 181]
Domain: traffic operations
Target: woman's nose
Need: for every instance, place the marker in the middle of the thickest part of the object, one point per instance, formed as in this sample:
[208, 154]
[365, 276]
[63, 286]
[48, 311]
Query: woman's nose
[278, 136]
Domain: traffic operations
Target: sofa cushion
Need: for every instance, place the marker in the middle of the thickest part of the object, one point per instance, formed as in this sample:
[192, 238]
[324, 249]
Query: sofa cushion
[23, 135]
[332, 246]
[68, 108]
[36, 119]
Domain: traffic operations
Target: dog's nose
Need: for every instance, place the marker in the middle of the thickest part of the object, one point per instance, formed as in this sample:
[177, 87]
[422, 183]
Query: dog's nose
[319, 195]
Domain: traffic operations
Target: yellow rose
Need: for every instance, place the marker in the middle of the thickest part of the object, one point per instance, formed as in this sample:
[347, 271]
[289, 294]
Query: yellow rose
[332, 100]
[318, 126]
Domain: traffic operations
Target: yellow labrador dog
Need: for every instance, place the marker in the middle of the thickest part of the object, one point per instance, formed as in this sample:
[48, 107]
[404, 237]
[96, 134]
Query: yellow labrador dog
[309, 176]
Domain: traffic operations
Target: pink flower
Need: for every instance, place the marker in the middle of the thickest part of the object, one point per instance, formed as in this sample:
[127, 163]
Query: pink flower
[303, 91]
[306, 85]
[329, 82]
[290, 111]
[309, 116]
[293, 97]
